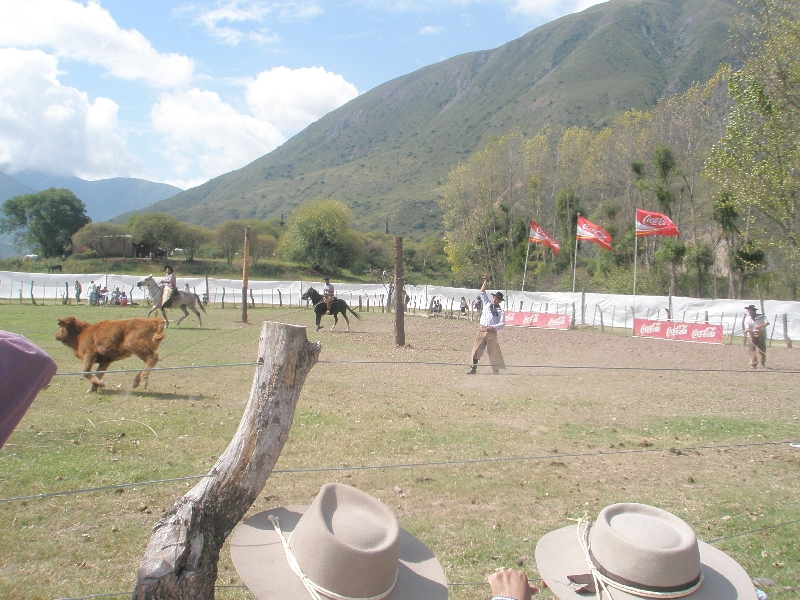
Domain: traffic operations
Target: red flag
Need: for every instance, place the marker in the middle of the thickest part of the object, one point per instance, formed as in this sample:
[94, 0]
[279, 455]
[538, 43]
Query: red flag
[540, 236]
[590, 232]
[653, 223]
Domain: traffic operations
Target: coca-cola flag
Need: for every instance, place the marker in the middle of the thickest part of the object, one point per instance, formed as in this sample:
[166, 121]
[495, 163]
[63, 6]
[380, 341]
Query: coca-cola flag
[590, 232]
[540, 236]
[653, 223]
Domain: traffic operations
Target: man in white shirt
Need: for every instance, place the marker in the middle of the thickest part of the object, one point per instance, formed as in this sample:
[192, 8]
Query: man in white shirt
[328, 295]
[170, 286]
[492, 320]
[756, 328]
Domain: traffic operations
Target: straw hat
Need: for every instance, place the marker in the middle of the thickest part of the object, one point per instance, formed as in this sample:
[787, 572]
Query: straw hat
[346, 543]
[638, 551]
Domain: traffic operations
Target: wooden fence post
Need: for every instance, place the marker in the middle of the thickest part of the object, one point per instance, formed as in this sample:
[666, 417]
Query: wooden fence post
[399, 292]
[245, 272]
[33, 300]
[181, 559]
[786, 332]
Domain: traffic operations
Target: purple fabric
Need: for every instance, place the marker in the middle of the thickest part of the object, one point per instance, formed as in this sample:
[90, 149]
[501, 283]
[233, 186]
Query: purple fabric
[24, 370]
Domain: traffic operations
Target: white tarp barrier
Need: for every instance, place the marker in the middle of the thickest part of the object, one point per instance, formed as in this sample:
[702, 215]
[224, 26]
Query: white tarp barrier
[617, 310]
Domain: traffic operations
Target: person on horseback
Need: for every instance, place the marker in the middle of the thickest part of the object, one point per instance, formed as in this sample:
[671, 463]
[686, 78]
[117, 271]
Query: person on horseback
[170, 286]
[328, 295]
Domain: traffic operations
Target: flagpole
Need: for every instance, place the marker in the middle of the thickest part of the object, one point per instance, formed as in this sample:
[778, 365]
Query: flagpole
[525, 271]
[635, 258]
[575, 258]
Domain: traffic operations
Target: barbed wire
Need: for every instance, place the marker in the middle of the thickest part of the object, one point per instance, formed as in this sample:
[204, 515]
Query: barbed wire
[440, 463]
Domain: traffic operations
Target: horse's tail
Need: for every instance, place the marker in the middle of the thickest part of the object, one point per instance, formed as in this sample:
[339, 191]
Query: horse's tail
[353, 313]
[200, 302]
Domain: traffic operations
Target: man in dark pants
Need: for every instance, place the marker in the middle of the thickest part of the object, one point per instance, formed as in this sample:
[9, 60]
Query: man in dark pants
[492, 320]
[756, 328]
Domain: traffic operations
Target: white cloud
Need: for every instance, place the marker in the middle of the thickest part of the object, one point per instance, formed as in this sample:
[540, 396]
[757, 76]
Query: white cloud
[292, 99]
[51, 127]
[230, 21]
[203, 132]
[431, 30]
[89, 33]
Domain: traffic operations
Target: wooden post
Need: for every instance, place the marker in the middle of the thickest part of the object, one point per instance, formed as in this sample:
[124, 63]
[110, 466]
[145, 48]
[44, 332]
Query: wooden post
[399, 290]
[33, 300]
[583, 307]
[181, 559]
[280, 299]
[208, 296]
[245, 272]
[786, 332]
[223, 297]
[383, 306]
[602, 327]
[66, 293]
[359, 303]
[252, 300]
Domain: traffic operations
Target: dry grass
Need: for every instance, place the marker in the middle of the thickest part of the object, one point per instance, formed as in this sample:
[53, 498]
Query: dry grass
[476, 516]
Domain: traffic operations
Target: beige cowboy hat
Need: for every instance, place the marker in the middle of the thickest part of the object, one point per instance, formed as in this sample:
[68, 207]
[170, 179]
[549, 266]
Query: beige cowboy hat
[346, 543]
[635, 551]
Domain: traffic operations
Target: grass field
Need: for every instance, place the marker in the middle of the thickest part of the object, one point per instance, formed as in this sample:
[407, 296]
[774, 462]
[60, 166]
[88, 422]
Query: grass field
[597, 437]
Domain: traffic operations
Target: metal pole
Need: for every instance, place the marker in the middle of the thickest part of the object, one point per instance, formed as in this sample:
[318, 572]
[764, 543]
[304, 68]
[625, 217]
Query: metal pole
[525, 270]
[575, 260]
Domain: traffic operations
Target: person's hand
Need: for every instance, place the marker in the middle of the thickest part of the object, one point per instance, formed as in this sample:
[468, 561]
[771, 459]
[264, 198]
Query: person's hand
[490, 328]
[511, 583]
[485, 277]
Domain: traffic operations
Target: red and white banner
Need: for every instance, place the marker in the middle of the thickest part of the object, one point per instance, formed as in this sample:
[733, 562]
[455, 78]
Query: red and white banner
[540, 236]
[677, 331]
[537, 319]
[590, 232]
[653, 223]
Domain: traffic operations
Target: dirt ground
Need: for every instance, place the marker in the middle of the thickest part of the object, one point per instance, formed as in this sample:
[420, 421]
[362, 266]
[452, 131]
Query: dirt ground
[479, 467]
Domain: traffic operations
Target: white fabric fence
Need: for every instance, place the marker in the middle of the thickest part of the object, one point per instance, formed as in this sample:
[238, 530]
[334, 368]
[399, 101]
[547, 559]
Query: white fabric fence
[617, 310]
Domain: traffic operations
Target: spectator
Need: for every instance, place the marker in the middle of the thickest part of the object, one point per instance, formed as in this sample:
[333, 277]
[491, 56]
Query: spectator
[78, 290]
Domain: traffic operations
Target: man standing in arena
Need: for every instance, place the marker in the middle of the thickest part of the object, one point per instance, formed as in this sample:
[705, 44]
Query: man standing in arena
[492, 319]
[756, 328]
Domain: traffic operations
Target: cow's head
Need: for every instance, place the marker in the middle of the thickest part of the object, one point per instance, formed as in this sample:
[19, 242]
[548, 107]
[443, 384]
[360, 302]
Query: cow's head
[68, 331]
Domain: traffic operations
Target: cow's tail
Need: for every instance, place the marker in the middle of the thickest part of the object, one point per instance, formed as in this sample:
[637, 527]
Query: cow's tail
[200, 302]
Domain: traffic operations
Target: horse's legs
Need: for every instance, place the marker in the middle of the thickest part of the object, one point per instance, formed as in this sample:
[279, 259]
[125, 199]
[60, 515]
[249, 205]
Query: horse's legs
[335, 320]
[151, 311]
[194, 310]
[185, 314]
[164, 312]
[344, 314]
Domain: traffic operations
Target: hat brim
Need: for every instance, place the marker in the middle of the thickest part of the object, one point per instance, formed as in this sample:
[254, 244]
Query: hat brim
[559, 554]
[260, 560]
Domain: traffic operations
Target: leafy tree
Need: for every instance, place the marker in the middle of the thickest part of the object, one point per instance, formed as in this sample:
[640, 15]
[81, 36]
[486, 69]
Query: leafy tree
[229, 237]
[318, 234]
[262, 245]
[159, 230]
[699, 260]
[758, 159]
[45, 221]
[725, 215]
[191, 237]
[101, 237]
[672, 252]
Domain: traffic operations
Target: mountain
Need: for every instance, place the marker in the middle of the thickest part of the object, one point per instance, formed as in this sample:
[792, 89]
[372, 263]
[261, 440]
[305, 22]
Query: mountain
[104, 198]
[387, 152]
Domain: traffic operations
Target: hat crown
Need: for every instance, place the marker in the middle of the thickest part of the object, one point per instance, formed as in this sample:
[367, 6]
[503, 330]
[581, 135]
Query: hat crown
[348, 542]
[645, 547]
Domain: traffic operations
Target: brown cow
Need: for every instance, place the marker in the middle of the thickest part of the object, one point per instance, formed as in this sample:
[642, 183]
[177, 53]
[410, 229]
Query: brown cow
[107, 341]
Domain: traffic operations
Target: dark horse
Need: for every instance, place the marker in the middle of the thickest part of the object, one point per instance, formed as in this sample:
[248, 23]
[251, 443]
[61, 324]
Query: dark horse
[338, 306]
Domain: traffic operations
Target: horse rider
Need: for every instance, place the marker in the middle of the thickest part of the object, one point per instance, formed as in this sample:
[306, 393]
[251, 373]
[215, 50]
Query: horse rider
[170, 285]
[327, 295]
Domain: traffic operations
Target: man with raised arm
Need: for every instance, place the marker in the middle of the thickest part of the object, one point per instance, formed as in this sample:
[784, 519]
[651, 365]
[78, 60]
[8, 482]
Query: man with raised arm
[492, 320]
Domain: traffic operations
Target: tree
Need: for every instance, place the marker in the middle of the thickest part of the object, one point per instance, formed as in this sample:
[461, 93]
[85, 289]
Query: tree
[101, 237]
[229, 237]
[262, 245]
[758, 159]
[672, 251]
[46, 221]
[191, 237]
[699, 260]
[318, 234]
[159, 230]
[725, 215]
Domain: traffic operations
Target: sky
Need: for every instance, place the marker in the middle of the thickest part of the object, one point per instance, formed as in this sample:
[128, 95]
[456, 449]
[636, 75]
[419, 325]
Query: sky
[183, 91]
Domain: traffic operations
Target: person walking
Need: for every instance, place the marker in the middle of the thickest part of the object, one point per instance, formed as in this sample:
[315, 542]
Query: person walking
[492, 320]
[756, 328]
[78, 290]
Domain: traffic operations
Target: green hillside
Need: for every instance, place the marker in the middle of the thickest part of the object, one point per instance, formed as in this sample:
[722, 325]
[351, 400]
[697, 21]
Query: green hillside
[387, 152]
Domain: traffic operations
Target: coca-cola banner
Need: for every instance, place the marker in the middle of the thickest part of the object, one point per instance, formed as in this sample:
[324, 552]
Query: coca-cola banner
[537, 319]
[675, 330]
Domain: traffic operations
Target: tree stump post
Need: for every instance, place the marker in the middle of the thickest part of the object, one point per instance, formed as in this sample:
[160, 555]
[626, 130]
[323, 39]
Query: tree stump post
[181, 559]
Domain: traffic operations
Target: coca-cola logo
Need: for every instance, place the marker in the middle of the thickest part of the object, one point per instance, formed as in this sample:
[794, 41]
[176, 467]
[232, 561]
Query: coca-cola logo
[655, 221]
[509, 315]
[532, 318]
[677, 330]
[555, 321]
[651, 328]
[708, 332]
